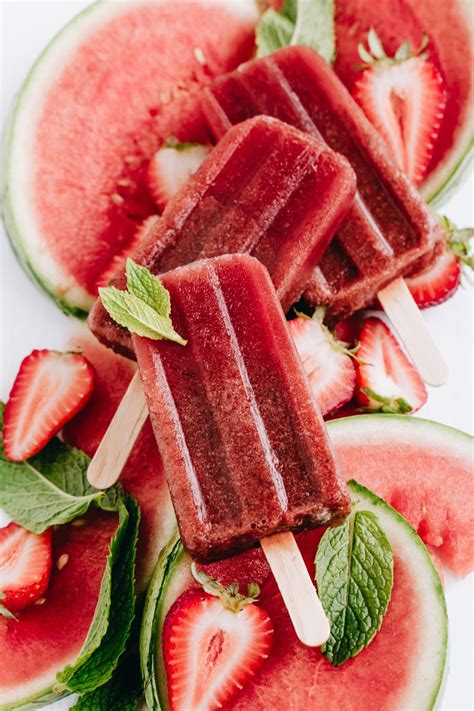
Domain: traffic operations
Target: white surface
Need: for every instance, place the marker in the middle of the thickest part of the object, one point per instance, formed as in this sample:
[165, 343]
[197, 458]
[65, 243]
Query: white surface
[30, 320]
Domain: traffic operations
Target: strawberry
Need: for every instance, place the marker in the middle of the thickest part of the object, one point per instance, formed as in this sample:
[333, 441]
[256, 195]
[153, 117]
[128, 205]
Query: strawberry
[171, 167]
[214, 641]
[25, 567]
[326, 361]
[404, 98]
[437, 282]
[386, 380]
[117, 263]
[49, 389]
[440, 280]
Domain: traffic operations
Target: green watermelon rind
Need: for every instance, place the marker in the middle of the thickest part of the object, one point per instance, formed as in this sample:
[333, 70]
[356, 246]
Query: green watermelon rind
[356, 427]
[460, 172]
[71, 297]
[172, 574]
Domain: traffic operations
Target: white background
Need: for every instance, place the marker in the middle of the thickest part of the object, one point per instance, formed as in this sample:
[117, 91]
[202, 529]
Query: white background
[30, 320]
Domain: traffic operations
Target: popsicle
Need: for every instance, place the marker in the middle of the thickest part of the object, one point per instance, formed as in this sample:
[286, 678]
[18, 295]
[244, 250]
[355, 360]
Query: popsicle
[244, 447]
[267, 189]
[389, 231]
[245, 452]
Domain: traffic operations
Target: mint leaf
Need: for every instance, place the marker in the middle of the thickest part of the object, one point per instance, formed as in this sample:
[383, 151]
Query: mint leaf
[115, 610]
[144, 309]
[121, 693]
[51, 488]
[354, 575]
[273, 32]
[146, 287]
[308, 22]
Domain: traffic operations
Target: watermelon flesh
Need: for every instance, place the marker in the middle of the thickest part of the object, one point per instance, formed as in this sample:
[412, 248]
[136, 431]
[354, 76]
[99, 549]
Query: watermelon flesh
[48, 637]
[428, 479]
[140, 66]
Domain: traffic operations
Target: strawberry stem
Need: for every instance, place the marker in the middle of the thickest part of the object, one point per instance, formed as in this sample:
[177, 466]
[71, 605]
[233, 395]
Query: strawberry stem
[229, 596]
[375, 55]
[388, 405]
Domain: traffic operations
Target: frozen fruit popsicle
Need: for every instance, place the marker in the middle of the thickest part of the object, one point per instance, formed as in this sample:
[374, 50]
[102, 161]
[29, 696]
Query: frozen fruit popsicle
[389, 231]
[267, 189]
[244, 446]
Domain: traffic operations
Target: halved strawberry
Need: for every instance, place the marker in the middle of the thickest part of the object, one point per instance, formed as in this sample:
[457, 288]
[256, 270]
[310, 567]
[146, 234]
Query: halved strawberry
[437, 282]
[25, 566]
[48, 391]
[117, 263]
[326, 361]
[214, 641]
[171, 167]
[404, 98]
[386, 380]
[440, 280]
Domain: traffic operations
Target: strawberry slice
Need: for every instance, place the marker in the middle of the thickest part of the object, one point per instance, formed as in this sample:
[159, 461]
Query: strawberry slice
[117, 263]
[386, 380]
[25, 567]
[404, 98]
[327, 363]
[171, 167]
[437, 282]
[214, 641]
[441, 279]
[50, 388]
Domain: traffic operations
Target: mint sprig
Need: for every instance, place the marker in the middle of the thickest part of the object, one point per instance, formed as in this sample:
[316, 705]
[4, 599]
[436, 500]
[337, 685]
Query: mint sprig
[144, 308]
[308, 22]
[354, 575]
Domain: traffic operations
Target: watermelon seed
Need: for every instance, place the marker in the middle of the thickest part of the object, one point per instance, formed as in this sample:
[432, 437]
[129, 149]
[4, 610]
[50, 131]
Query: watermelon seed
[199, 56]
[40, 601]
[117, 199]
[62, 561]
[78, 522]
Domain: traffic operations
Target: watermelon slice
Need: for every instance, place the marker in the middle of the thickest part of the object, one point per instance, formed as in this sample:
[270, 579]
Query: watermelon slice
[401, 669]
[48, 637]
[101, 98]
[430, 467]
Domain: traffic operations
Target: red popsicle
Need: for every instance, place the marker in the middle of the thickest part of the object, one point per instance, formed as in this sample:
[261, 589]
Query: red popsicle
[389, 230]
[267, 189]
[244, 447]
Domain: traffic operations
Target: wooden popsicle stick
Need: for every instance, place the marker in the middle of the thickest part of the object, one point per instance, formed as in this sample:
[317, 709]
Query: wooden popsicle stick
[403, 312]
[296, 588]
[122, 432]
